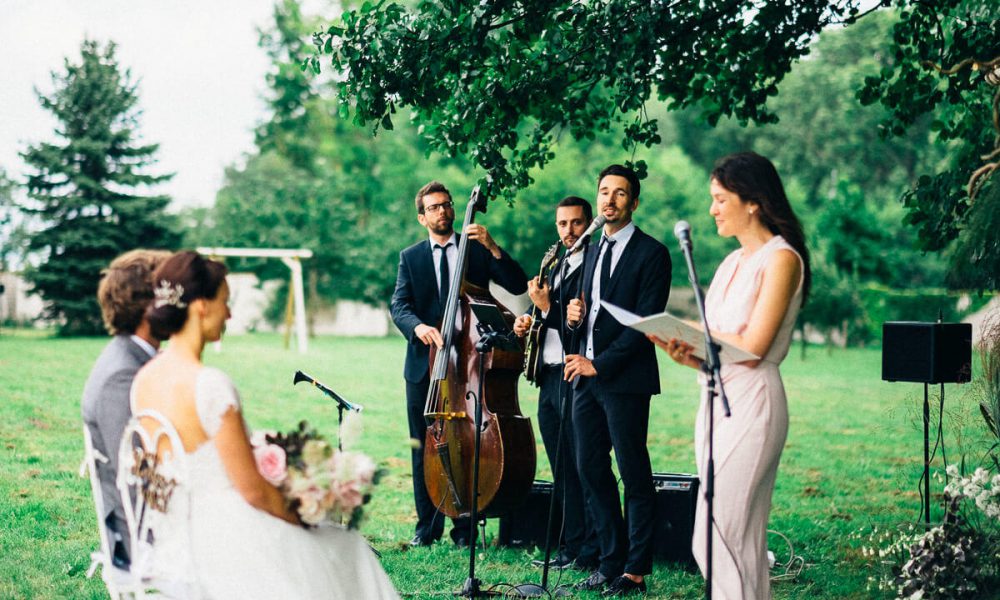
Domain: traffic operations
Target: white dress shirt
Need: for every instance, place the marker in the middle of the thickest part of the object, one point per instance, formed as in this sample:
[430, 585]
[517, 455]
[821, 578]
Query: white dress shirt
[552, 349]
[621, 238]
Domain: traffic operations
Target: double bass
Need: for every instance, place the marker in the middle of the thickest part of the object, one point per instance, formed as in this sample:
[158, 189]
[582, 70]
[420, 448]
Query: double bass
[507, 441]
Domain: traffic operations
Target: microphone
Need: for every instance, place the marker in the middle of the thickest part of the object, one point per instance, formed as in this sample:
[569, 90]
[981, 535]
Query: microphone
[596, 224]
[300, 376]
[682, 231]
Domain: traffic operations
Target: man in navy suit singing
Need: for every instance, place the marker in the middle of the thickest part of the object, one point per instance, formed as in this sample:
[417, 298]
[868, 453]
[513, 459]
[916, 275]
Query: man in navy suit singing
[422, 285]
[616, 374]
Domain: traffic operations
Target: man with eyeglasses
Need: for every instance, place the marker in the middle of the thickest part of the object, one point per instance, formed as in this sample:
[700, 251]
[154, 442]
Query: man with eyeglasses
[422, 285]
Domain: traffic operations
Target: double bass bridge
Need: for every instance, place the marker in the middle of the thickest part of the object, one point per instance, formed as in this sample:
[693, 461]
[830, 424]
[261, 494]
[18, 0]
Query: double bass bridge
[446, 416]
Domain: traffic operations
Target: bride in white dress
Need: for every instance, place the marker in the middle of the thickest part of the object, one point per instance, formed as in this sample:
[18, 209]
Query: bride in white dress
[227, 532]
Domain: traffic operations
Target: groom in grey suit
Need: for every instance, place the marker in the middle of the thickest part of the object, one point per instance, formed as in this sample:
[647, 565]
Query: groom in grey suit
[125, 291]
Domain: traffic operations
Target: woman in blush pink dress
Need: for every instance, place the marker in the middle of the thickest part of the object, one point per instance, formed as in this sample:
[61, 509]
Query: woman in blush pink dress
[753, 302]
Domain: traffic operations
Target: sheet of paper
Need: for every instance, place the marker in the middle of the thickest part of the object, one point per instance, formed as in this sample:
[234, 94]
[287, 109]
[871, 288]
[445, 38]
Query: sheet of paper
[666, 326]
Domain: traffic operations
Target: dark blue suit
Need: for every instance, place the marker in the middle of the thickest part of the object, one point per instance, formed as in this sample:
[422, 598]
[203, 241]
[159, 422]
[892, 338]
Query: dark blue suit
[611, 410]
[416, 301]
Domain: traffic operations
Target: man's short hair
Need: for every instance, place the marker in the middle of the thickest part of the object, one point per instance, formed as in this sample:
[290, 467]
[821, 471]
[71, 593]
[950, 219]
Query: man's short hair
[622, 171]
[588, 212]
[126, 289]
[433, 187]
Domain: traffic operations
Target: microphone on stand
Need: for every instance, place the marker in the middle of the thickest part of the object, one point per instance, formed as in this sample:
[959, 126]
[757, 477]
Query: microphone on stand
[596, 224]
[711, 366]
[682, 231]
[341, 403]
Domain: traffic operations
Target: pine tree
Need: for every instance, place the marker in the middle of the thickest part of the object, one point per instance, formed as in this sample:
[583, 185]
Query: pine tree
[85, 188]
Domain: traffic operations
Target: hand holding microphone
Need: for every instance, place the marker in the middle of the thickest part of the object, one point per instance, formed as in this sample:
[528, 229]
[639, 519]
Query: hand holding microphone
[596, 224]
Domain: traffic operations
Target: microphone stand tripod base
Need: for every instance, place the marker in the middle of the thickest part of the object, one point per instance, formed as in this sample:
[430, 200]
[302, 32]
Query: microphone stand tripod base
[533, 590]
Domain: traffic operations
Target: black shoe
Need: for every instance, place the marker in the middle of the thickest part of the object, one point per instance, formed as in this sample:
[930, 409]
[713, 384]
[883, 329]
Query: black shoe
[419, 541]
[558, 563]
[596, 581]
[623, 586]
[461, 542]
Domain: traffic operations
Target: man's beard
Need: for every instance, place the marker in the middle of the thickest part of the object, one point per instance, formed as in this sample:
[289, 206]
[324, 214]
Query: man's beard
[442, 229]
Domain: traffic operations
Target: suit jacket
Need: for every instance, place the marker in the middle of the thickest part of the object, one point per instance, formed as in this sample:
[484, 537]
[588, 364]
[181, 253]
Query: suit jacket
[416, 301]
[106, 410]
[554, 319]
[640, 283]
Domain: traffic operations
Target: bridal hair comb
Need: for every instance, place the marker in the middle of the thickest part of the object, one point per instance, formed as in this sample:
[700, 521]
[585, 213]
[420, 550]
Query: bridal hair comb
[167, 294]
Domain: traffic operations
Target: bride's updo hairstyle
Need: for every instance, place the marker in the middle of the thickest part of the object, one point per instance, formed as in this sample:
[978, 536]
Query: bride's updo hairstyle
[184, 277]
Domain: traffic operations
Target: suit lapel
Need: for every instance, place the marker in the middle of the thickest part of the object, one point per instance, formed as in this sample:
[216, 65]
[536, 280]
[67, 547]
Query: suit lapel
[423, 268]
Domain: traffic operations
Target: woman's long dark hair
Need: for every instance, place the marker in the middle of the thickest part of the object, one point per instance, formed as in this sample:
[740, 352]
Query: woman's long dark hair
[754, 179]
[184, 277]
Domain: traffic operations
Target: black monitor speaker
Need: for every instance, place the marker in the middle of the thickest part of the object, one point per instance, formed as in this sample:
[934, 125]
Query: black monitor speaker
[524, 527]
[676, 500]
[926, 352]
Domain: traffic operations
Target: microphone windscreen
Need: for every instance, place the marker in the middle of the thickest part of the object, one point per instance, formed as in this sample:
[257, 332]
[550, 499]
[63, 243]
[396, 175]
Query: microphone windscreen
[682, 230]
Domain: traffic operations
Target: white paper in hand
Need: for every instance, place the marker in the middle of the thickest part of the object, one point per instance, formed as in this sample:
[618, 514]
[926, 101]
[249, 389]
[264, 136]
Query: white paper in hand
[666, 326]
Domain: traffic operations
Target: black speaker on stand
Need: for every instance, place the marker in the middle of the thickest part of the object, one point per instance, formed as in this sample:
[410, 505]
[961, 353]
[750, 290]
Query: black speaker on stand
[927, 353]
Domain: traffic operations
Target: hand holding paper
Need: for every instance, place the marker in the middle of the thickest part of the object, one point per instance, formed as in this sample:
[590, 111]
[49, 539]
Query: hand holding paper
[666, 326]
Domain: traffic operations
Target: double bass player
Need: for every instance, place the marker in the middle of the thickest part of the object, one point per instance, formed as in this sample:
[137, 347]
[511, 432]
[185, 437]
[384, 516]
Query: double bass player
[422, 281]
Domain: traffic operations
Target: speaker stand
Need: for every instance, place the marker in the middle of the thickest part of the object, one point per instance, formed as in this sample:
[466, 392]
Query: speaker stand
[927, 456]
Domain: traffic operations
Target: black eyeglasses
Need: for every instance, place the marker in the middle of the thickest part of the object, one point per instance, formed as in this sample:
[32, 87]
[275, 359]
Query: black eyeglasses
[433, 208]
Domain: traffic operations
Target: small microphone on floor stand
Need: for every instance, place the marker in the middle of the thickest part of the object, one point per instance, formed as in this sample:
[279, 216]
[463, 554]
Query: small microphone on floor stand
[341, 403]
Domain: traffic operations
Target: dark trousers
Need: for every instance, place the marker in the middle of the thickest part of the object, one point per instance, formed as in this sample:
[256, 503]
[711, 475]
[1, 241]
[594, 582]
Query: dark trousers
[603, 421]
[579, 538]
[430, 522]
[118, 540]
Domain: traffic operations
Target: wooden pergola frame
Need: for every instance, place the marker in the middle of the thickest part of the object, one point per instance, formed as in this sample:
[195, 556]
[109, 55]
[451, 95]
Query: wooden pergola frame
[292, 260]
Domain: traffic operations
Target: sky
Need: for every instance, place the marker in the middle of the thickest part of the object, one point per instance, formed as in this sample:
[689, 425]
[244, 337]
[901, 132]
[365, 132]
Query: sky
[199, 70]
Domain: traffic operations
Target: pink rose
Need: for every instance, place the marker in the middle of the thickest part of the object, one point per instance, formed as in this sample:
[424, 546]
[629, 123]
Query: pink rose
[271, 463]
[350, 496]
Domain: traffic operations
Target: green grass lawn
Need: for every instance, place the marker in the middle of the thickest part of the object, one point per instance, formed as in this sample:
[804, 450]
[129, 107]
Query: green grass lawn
[853, 459]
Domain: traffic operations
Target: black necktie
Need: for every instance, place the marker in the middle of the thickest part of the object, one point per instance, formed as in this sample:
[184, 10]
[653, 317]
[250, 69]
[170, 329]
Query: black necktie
[443, 270]
[606, 265]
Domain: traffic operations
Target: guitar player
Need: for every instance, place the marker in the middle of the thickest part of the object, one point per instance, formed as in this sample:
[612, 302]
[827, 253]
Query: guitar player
[579, 547]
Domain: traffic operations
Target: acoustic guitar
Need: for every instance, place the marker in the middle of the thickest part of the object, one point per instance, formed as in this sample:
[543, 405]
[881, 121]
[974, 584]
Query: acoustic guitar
[532, 347]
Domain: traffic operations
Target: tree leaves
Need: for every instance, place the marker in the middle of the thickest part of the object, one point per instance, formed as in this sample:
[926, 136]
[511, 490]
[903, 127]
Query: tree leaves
[477, 73]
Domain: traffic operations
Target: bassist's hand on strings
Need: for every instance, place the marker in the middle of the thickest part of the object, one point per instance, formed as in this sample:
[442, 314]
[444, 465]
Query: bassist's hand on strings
[539, 294]
[521, 325]
[429, 335]
[480, 234]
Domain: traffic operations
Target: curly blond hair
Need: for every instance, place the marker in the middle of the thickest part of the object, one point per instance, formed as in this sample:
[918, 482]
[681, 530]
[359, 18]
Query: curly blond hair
[126, 289]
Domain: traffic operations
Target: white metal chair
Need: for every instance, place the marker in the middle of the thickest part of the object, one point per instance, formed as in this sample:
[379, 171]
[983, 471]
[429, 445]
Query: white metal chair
[151, 464]
[119, 582]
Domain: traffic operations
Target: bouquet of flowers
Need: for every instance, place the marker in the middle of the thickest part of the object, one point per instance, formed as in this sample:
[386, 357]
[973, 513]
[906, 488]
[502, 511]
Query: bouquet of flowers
[319, 482]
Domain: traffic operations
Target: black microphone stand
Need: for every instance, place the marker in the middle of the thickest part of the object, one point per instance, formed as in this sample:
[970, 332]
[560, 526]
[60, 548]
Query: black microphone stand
[530, 590]
[711, 366]
[341, 403]
[488, 338]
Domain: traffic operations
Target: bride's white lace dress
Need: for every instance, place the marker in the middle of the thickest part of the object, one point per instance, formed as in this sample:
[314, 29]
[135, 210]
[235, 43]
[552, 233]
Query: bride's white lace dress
[217, 546]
